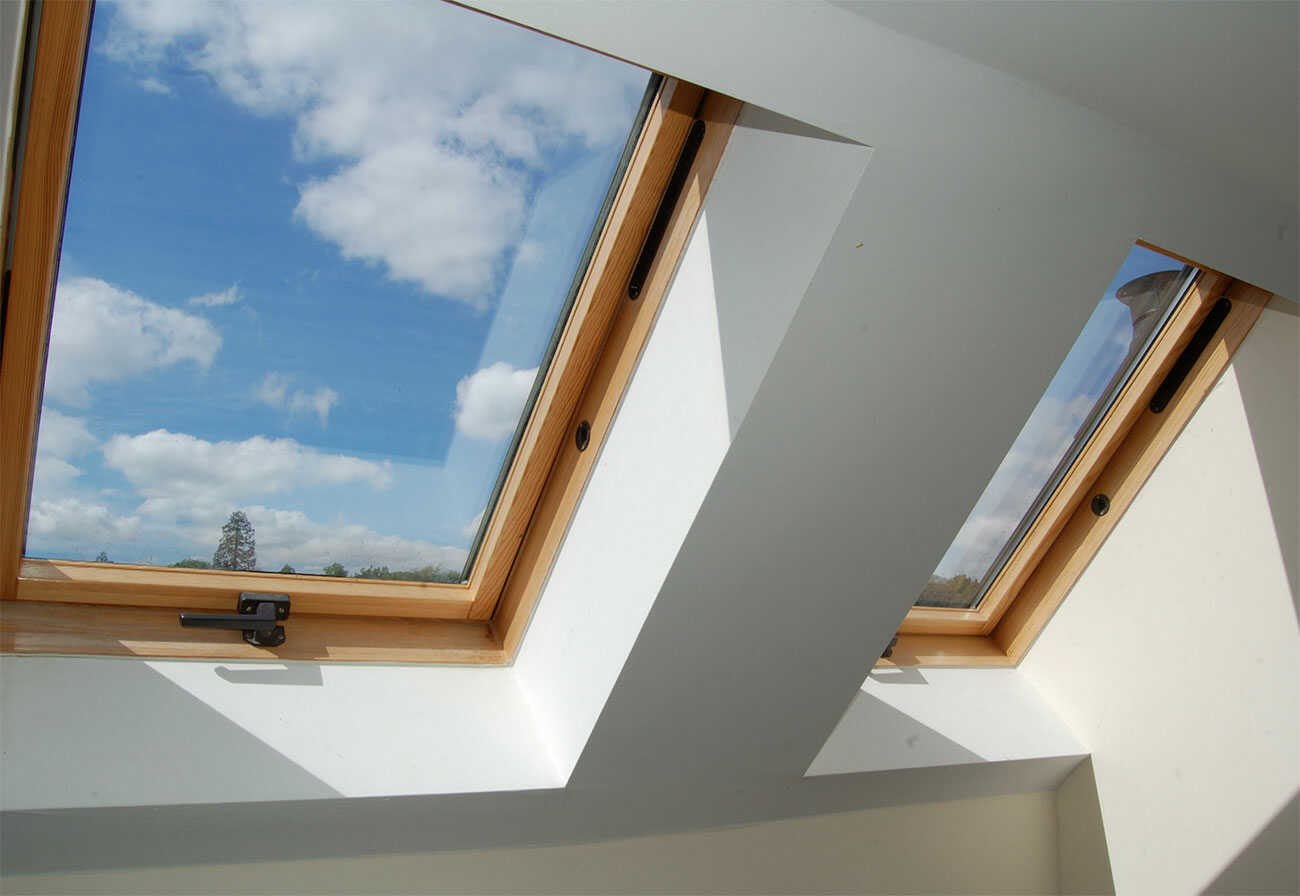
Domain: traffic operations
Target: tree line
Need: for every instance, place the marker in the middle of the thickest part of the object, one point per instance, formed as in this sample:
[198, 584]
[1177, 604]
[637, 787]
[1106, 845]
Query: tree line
[959, 591]
[237, 550]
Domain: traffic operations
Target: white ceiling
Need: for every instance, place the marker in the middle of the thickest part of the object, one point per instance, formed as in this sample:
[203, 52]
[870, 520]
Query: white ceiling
[1220, 81]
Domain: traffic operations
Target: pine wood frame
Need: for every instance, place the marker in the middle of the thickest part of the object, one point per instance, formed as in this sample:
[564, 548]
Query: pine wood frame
[94, 608]
[1115, 461]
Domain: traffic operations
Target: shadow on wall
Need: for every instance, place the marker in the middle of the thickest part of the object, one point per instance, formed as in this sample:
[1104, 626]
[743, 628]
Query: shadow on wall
[1083, 859]
[125, 738]
[1269, 381]
[1269, 864]
[789, 219]
[874, 736]
[298, 674]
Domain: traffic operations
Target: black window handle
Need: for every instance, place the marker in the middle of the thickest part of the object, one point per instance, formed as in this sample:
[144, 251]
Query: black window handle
[257, 618]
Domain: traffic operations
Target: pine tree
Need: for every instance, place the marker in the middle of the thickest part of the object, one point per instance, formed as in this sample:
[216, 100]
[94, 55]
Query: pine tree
[237, 548]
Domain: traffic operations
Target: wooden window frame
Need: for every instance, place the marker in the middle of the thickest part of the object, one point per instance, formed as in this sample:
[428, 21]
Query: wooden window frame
[52, 606]
[1115, 461]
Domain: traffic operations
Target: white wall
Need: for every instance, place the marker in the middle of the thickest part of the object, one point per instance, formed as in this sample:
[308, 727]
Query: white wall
[910, 718]
[1176, 657]
[1003, 844]
[775, 200]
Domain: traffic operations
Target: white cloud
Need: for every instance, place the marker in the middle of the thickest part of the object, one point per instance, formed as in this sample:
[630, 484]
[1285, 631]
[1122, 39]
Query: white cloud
[1015, 485]
[274, 392]
[71, 519]
[227, 296]
[289, 536]
[102, 333]
[470, 105]
[489, 401]
[62, 435]
[51, 477]
[153, 85]
[470, 529]
[189, 487]
[435, 217]
[320, 402]
[181, 476]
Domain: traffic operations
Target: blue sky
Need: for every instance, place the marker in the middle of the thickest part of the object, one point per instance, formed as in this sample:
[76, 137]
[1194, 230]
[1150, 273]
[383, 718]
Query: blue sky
[1074, 390]
[312, 258]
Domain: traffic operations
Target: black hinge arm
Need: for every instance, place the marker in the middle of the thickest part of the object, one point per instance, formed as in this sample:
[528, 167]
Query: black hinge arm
[257, 618]
[1168, 388]
[659, 225]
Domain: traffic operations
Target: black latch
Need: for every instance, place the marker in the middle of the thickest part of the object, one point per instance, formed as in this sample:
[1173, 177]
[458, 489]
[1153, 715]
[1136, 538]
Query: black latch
[257, 618]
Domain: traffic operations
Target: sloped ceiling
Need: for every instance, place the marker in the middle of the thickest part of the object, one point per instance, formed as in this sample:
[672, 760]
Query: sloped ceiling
[1218, 81]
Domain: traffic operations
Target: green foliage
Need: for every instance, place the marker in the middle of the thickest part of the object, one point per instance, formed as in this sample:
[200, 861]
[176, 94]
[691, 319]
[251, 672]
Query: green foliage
[287, 569]
[102, 557]
[335, 569]
[959, 591]
[192, 563]
[237, 548]
[436, 573]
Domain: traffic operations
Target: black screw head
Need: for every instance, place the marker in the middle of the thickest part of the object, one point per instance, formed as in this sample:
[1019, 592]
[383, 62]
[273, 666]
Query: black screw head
[582, 438]
[1100, 505]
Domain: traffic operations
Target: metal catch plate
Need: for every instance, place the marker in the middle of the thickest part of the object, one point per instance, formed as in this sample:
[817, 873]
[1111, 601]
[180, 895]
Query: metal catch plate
[249, 600]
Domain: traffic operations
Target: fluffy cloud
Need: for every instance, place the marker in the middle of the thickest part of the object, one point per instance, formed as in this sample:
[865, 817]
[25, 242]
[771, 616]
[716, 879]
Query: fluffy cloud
[472, 208]
[72, 519]
[470, 107]
[289, 536]
[51, 477]
[189, 487]
[102, 333]
[489, 401]
[181, 476]
[227, 296]
[63, 436]
[274, 392]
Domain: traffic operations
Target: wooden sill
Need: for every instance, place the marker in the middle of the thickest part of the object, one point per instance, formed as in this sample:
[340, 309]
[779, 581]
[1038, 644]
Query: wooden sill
[30, 627]
[946, 650]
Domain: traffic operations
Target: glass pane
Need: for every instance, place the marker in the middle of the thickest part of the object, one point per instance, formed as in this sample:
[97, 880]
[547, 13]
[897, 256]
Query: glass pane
[313, 261]
[1131, 312]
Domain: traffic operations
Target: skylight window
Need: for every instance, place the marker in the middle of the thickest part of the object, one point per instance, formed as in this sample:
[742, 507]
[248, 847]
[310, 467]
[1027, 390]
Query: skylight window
[344, 306]
[1153, 347]
[315, 262]
[1114, 341]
